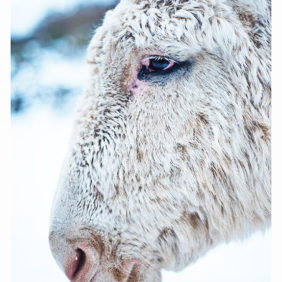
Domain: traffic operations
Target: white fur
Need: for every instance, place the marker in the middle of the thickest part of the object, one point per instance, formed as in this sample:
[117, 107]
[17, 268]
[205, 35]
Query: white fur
[167, 175]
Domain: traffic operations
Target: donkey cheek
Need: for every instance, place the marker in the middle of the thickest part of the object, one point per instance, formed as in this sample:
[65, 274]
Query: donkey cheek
[138, 88]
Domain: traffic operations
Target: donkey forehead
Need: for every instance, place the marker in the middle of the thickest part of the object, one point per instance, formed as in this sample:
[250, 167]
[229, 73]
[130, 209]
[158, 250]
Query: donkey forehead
[157, 25]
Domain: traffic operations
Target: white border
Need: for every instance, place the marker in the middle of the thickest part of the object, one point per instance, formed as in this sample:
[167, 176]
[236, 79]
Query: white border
[5, 142]
[276, 143]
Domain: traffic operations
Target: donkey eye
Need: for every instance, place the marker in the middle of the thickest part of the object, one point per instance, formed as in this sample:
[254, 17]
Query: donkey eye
[160, 69]
[160, 64]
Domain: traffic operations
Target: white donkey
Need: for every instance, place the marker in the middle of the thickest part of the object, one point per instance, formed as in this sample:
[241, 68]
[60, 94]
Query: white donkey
[170, 152]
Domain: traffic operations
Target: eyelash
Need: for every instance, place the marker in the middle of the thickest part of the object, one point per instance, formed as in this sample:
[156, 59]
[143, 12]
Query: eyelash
[159, 58]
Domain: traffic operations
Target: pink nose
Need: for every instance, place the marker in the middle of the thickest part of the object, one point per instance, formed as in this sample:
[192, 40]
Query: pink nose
[75, 265]
[76, 256]
[82, 264]
[80, 260]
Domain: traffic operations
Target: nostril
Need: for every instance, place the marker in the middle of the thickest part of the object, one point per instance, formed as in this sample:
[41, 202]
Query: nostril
[80, 258]
[76, 264]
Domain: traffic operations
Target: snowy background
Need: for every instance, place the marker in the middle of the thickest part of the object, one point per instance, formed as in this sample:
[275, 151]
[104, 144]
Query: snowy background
[48, 73]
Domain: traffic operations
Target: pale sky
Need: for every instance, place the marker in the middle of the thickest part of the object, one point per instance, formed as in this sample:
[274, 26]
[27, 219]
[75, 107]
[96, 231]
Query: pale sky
[25, 14]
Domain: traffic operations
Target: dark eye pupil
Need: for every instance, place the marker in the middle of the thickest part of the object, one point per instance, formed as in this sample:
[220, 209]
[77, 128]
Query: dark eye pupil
[158, 65]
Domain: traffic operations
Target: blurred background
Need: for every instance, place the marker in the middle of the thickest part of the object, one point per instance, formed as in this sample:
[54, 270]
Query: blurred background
[48, 72]
[48, 45]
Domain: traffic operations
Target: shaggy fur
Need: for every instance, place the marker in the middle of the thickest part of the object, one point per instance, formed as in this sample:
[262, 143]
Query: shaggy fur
[162, 172]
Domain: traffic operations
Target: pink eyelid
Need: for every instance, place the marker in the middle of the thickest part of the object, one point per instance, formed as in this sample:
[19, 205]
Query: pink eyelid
[171, 64]
[146, 62]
